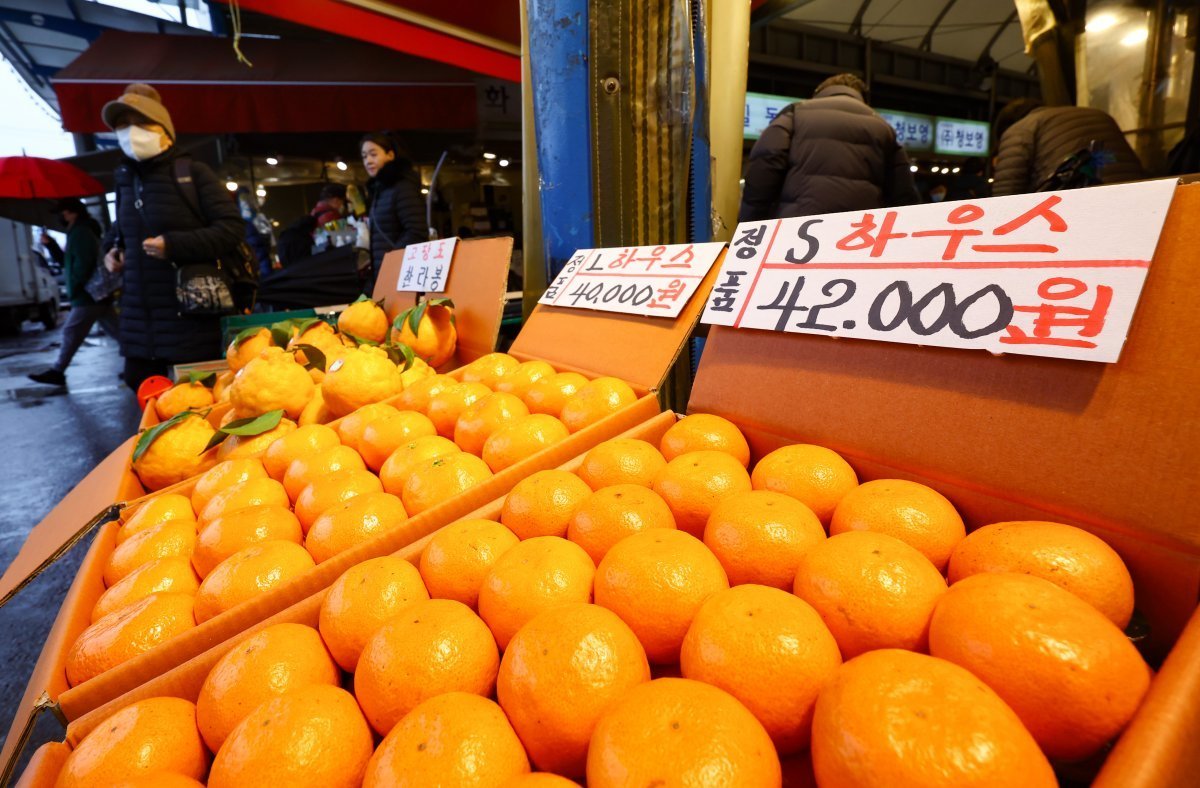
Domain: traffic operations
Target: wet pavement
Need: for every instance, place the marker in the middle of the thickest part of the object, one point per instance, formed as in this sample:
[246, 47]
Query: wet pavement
[51, 438]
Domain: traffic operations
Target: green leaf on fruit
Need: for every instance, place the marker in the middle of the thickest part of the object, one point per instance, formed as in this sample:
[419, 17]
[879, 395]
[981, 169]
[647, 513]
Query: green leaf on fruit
[150, 435]
[209, 378]
[254, 425]
[245, 334]
[314, 358]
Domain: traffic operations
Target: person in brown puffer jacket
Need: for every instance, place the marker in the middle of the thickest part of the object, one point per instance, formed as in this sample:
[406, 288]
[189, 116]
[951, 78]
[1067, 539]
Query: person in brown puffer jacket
[1035, 140]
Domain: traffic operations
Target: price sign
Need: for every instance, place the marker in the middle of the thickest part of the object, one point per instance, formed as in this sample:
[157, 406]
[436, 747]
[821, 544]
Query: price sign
[635, 280]
[426, 266]
[1050, 274]
[914, 132]
[961, 137]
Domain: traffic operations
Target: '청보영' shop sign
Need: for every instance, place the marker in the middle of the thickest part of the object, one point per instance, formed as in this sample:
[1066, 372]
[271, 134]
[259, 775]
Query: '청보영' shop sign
[1047, 274]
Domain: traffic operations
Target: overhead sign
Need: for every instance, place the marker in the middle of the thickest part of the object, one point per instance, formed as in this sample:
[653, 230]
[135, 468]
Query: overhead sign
[914, 132]
[761, 109]
[961, 137]
[1048, 274]
[426, 266]
[638, 280]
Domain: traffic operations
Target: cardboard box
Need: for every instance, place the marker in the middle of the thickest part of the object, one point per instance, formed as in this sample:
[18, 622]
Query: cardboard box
[588, 342]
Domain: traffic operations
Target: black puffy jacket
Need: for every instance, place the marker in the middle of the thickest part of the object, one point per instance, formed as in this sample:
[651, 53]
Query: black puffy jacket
[1033, 148]
[830, 154]
[151, 324]
[396, 210]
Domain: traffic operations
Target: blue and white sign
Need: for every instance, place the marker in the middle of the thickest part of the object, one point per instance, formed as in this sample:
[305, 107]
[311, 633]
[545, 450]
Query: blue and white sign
[761, 109]
[914, 132]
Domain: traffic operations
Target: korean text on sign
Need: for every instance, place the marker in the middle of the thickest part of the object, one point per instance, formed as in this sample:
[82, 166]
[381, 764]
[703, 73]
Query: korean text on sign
[637, 280]
[1049, 274]
[426, 266]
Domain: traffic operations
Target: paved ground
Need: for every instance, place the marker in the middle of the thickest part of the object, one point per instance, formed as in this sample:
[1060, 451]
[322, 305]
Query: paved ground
[51, 438]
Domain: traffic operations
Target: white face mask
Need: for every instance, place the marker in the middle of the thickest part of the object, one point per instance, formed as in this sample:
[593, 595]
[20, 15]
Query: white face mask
[138, 143]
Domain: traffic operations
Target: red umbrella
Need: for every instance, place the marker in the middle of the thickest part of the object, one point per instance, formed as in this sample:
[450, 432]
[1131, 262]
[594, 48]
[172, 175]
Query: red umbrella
[31, 178]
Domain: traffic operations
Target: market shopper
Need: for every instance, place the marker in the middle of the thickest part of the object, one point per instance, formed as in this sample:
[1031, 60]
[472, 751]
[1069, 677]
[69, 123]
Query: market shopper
[79, 261]
[1036, 141]
[332, 205]
[395, 209]
[171, 211]
[829, 154]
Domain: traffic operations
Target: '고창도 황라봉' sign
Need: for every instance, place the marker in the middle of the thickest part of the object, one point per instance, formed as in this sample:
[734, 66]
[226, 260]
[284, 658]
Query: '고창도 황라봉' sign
[1047, 274]
[657, 281]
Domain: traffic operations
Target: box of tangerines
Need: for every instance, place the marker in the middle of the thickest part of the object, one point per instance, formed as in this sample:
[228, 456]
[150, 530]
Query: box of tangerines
[851, 564]
[479, 430]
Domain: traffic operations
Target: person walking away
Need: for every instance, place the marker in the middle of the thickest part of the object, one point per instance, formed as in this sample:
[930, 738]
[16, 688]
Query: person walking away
[395, 208]
[171, 211]
[79, 261]
[1035, 140]
[829, 154]
[259, 235]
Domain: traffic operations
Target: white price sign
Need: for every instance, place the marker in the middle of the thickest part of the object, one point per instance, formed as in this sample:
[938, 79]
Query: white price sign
[635, 280]
[426, 266]
[1053, 274]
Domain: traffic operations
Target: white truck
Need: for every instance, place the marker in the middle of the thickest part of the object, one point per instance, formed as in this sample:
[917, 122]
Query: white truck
[28, 289]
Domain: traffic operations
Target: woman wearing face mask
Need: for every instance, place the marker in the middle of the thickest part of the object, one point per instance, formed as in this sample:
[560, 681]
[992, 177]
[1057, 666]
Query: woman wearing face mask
[157, 228]
[395, 208]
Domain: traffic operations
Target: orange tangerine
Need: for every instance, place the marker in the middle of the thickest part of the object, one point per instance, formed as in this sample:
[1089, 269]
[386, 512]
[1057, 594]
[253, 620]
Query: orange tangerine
[521, 438]
[172, 539]
[610, 514]
[223, 475]
[599, 398]
[416, 396]
[542, 504]
[759, 537]
[327, 492]
[242, 446]
[353, 522]
[248, 573]
[398, 466]
[153, 577]
[252, 492]
[447, 405]
[239, 529]
[309, 467]
[704, 431]
[351, 427]
[459, 556]
[621, 461]
[911, 512]
[549, 394]
[431, 482]
[272, 662]
[382, 437]
[489, 369]
[364, 598]
[483, 417]
[435, 646]
[128, 632]
[693, 484]
[525, 375]
[303, 441]
[155, 512]
[815, 476]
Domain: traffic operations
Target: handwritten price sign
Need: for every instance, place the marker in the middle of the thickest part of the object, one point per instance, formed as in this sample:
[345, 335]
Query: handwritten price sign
[1052, 274]
[635, 280]
[426, 266]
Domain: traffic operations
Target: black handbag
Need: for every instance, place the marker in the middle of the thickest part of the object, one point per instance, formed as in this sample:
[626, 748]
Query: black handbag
[226, 286]
[102, 283]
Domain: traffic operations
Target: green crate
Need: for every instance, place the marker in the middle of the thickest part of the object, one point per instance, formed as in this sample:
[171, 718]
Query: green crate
[231, 326]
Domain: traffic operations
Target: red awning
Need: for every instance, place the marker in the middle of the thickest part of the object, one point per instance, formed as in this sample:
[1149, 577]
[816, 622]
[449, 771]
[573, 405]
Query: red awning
[485, 37]
[294, 86]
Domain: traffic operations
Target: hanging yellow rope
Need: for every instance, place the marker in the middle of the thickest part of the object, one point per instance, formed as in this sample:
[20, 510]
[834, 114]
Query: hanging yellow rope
[235, 17]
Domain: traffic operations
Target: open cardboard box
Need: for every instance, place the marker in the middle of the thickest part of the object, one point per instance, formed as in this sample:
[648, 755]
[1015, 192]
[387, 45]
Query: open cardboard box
[588, 342]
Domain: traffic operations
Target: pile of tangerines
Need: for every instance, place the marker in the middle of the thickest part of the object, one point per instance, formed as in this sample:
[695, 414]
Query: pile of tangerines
[273, 505]
[664, 616]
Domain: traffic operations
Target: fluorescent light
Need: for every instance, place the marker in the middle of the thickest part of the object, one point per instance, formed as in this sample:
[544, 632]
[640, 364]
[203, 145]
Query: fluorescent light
[489, 156]
[1135, 37]
[424, 191]
[231, 185]
[956, 169]
[272, 160]
[991, 180]
[341, 165]
[261, 192]
[913, 168]
[1100, 23]
[504, 162]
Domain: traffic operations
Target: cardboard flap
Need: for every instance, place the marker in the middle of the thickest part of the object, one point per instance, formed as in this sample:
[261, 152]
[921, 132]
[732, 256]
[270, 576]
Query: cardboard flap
[637, 349]
[1108, 444]
[477, 284]
[67, 522]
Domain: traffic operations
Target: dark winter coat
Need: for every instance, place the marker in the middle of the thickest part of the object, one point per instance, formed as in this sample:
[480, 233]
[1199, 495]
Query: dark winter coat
[826, 155]
[396, 211]
[80, 258]
[152, 326]
[1033, 148]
